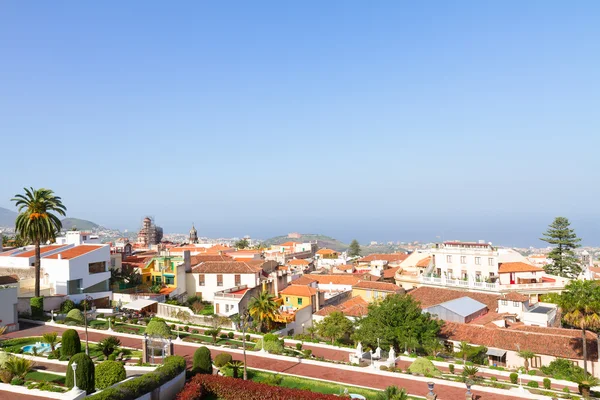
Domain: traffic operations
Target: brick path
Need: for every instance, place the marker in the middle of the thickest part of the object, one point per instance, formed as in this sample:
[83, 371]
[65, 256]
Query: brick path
[292, 367]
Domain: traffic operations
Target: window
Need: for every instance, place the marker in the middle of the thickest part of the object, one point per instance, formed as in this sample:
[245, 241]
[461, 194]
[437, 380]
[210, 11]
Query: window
[450, 273]
[112, 262]
[299, 301]
[238, 280]
[491, 262]
[504, 302]
[226, 307]
[491, 274]
[449, 259]
[219, 280]
[201, 280]
[536, 362]
[477, 260]
[463, 259]
[516, 304]
[287, 299]
[97, 267]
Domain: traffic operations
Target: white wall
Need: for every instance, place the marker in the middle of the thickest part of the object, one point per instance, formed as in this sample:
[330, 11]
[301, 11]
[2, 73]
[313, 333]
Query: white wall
[8, 308]
[210, 283]
[465, 259]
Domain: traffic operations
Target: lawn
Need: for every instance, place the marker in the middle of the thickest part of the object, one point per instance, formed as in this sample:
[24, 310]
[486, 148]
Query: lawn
[15, 345]
[39, 376]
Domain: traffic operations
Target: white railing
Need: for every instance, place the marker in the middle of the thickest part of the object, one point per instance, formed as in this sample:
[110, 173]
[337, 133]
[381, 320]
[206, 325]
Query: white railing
[493, 287]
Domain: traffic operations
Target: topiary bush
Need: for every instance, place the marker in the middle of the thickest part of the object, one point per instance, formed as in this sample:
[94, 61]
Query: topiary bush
[514, 378]
[70, 343]
[451, 368]
[222, 359]
[533, 384]
[158, 326]
[424, 367]
[202, 361]
[37, 307]
[74, 317]
[85, 373]
[108, 373]
[547, 383]
[298, 346]
[230, 335]
[270, 337]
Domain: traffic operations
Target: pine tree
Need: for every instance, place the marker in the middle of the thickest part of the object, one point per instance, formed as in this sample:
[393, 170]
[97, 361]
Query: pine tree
[564, 262]
[354, 249]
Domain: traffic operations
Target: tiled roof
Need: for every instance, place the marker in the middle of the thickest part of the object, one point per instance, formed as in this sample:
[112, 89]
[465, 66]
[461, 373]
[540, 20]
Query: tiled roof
[514, 296]
[326, 251]
[429, 296]
[385, 257]
[325, 311]
[298, 261]
[303, 280]
[197, 259]
[8, 279]
[44, 249]
[564, 343]
[286, 244]
[75, 251]
[517, 267]
[390, 272]
[299, 290]
[228, 267]
[354, 307]
[336, 279]
[345, 267]
[379, 286]
[424, 262]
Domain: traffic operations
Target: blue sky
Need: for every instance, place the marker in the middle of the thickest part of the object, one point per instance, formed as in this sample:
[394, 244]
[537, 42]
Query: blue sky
[376, 120]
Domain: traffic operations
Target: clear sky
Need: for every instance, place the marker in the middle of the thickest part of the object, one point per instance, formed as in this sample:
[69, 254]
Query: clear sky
[387, 120]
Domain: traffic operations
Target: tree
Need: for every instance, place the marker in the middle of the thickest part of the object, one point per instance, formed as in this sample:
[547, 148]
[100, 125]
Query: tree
[585, 382]
[354, 249]
[108, 345]
[235, 366]
[526, 355]
[214, 333]
[392, 393]
[434, 346]
[18, 367]
[158, 326]
[464, 349]
[52, 339]
[85, 377]
[202, 363]
[37, 222]
[334, 326]
[564, 262]
[580, 304]
[70, 344]
[312, 331]
[390, 319]
[242, 244]
[263, 309]
[108, 373]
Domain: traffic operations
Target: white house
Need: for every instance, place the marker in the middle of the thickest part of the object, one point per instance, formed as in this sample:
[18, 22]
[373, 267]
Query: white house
[518, 305]
[8, 299]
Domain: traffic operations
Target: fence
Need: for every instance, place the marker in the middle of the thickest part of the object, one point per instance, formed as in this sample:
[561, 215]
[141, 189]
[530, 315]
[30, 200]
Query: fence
[184, 314]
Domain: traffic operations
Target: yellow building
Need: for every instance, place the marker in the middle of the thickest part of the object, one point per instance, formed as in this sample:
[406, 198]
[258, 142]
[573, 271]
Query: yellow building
[372, 291]
[162, 270]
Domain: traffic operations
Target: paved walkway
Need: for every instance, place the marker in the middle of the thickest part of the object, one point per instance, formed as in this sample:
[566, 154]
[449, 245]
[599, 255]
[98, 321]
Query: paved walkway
[292, 367]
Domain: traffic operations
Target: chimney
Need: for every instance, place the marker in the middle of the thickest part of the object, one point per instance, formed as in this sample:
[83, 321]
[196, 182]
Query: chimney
[59, 256]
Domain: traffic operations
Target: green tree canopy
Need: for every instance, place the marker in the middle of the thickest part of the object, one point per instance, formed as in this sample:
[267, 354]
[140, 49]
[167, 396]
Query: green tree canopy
[396, 321]
[263, 309]
[354, 249]
[564, 262]
[242, 244]
[334, 326]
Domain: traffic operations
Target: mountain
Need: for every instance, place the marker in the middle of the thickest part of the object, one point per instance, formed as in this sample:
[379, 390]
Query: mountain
[7, 217]
[322, 241]
[80, 224]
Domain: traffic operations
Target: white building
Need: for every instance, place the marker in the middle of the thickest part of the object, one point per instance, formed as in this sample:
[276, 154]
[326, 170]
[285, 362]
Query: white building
[8, 299]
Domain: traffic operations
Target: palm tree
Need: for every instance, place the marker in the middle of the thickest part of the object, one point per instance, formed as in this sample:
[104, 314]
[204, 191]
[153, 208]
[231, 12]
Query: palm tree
[464, 348]
[393, 393]
[108, 345]
[36, 221]
[235, 366]
[434, 346]
[526, 355]
[264, 309]
[312, 331]
[580, 304]
[18, 367]
[52, 339]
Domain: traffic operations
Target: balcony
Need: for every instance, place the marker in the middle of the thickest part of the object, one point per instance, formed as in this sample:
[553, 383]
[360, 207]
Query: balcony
[492, 287]
[236, 292]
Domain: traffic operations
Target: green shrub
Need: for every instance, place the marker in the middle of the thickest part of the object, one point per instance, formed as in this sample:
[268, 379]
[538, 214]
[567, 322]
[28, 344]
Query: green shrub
[70, 344]
[384, 368]
[17, 382]
[532, 372]
[222, 359]
[84, 374]
[247, 337]
[451, 368]
[75, 317]
[159, 327]
[547, 384]
[562, 369]
[37, 307]
[424, 367]
[223, 336]
[566, 390]
[514, 377]
[112, 357]
[108, 373]
[273, 380]
[493, 379]
[533, 384]
[270, 337]
[202, 361]
[298, 346]
[230, 335]
[271, 346]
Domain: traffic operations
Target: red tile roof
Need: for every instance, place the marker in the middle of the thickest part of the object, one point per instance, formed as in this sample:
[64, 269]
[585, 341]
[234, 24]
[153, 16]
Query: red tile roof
[424, 262]
[517, 267]
[378, 286]
[228, 267]
[197, 259]
[326, 251]
[514, 296]
[354, 307]
[385, 257]
[429, 296]
[303, 280]
[336, 279]
[299, 290]
[286, 244]
[297, 261]
[75, 251]
[390, 273]
[44, 249]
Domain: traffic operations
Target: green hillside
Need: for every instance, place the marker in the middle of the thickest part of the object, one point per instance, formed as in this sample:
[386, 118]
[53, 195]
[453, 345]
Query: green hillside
[80, 224]
[7, 217]
[322, 241]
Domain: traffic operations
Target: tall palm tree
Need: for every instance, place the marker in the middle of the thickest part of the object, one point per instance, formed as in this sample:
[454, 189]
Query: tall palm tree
[580, 304]
[36, 221]
[526, 355]
[264, 309]
[52, 339]
[464, 349]
[392, 393]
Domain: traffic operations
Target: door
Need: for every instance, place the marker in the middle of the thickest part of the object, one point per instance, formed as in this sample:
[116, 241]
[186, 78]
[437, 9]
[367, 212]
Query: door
[512, 278]
[216, 308]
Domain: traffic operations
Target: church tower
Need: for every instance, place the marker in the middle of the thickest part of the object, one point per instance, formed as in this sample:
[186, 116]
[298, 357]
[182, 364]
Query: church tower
[193, 235]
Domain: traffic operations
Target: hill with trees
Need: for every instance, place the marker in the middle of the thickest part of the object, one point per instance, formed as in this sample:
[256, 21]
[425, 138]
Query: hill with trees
[80, 224]
[322, 241]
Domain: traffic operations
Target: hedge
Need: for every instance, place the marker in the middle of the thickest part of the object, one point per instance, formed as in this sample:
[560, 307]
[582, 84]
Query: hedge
[514, 377]
[234, 389]
[202, 361]
[159, 327]
[222, 359]
[424, 367]
[67, 306]
[84, 373]
[108, 373]
[75, 317]
[70, 343]
[37, 307]
[137, 387]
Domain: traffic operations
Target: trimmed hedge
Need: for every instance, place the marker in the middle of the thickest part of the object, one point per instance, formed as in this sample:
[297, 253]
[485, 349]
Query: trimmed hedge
[85, 373]
[75, 317]
[222, 359]
[67, 306]
[70, 343]
[202, 361]
[132, 389]
[37, 307]
[424, 367]
[234, 389]
[108, 373]
[514, 378]
[158, 326]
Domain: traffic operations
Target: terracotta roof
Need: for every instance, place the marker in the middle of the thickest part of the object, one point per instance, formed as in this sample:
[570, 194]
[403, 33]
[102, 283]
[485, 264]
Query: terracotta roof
[297, 261]
[303, 280]
[514, 296]
[44, 249]
[424, 262]
[8, 279]
[564, 343]
[345, 267]
[429, 296]
[326, 251]
[379, 286]
[385, 257]
[325, 311]
[287, 244]
[517, 267]
[298, 290]
[197, 259]
[228, 267]
[336, 279]
[354, 307]
[75, 251]
[390, 272]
